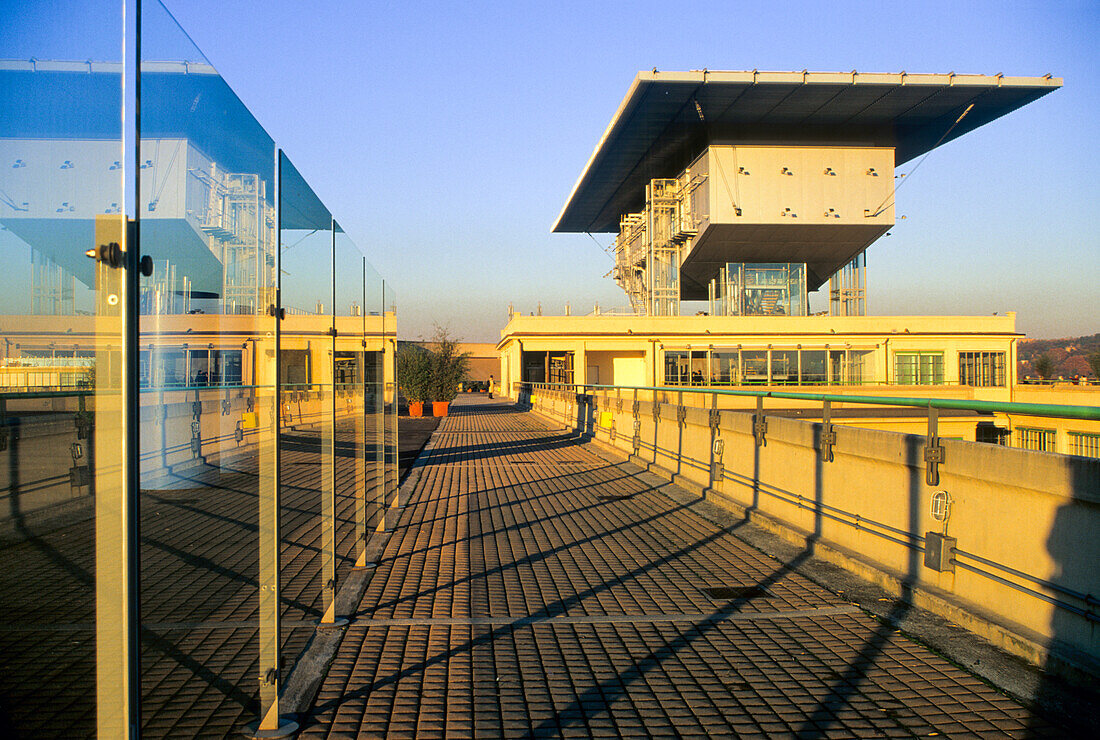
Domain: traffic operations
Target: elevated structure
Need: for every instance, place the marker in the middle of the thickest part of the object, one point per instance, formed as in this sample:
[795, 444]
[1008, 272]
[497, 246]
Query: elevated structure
[750, 189]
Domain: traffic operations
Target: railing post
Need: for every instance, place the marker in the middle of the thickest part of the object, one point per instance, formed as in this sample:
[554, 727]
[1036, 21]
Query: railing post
[636, 442]
[828, 434]
[760, 424]
[717, 444]
[933, 450]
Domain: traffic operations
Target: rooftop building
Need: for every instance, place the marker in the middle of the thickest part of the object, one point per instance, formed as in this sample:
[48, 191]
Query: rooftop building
[734, 196]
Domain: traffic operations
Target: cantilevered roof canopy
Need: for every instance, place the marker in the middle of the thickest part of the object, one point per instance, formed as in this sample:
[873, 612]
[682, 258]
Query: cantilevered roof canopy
[667, 118]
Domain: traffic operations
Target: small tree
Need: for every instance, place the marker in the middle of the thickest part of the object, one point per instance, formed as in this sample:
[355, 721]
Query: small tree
[414, 372]
[1044, 366]
[1094, 363]
[449, 366]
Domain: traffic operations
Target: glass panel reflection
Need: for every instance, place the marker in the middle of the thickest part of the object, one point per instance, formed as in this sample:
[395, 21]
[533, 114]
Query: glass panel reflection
[207, 348]
[61, 411]
[306, 431]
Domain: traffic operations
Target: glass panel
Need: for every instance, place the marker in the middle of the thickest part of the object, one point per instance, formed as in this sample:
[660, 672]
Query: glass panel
[208, 412]
[389, 364]
[699, 368]
[676, 368]
[784, 367]
[306, 437]
[374, 400]
[813, 367]
[62, 424]
[754, 365]
[766, 289]
[724, 368]
[348, 377]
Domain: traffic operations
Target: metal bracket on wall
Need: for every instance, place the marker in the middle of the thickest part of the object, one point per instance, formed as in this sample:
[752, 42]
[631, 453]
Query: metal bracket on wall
[828, 434]
[760, 424]
[656, 410]
[618, 405]
[681, 415]
[637, 441]
[933, 451]
[715, 418]
[717, 470]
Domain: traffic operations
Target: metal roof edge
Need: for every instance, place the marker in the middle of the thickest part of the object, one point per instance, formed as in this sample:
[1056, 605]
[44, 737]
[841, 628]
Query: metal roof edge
[638, 79]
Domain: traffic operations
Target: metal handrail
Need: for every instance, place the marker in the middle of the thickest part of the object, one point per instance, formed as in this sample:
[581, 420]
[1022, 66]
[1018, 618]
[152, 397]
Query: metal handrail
[1056, 411]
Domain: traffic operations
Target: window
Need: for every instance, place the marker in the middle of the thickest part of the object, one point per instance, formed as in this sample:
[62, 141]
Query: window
[784, 367]
[676, 368]
[990, 433]
[918, 368]
[982, 369]
[725, 368]
[1084, 444]
[813, 367]
[1035, 439]
[754, 365]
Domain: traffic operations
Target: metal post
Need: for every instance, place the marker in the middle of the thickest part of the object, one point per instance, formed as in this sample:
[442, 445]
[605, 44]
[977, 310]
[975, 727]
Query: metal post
[113, 438]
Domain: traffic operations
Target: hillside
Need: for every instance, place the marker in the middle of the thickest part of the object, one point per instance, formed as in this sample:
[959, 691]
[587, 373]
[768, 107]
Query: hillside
[1069, 355]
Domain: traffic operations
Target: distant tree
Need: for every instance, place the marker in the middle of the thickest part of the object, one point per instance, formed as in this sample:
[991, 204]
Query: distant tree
[450, 366]
[1094, 363]
[1044, 366]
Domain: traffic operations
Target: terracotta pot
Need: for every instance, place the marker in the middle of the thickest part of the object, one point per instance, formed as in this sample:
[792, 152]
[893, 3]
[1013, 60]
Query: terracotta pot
[416, 408]
[439, 408]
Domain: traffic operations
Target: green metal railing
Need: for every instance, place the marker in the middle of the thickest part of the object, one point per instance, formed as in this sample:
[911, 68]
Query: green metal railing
[1056, 411]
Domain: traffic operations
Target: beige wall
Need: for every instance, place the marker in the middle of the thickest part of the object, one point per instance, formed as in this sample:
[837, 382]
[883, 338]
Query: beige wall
[765, 192]
[598, 340]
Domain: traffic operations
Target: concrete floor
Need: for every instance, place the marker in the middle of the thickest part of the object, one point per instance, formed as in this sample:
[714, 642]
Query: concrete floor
[534, 587]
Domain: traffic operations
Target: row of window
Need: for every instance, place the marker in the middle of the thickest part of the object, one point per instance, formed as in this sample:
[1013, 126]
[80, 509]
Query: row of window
[979, 369]
[1084, 444]
[733, 366]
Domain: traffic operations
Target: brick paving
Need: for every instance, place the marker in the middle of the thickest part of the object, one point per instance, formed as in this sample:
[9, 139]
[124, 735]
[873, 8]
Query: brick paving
[200, 621]
[532, 588]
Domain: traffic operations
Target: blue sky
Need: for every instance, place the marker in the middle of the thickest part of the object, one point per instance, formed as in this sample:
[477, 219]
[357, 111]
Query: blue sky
[445, 137]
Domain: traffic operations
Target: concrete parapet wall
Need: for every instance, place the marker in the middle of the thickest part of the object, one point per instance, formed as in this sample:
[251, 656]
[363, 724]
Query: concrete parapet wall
[1024, 572]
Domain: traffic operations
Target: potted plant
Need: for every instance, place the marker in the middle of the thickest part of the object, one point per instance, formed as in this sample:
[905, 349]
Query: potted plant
[449, 369]
[414, 376]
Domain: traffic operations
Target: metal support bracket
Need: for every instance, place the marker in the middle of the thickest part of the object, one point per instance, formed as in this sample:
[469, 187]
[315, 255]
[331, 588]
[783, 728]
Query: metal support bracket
[637, 440]
[933, 451]
[828, 433]
[656, 410]
[714, 418]
[760, 424]
[681, 415]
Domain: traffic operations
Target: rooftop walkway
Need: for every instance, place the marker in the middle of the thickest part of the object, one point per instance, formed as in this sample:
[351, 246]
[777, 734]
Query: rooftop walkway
[535, 587]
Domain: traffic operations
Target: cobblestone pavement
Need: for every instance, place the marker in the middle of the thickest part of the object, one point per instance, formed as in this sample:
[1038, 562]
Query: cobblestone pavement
[199, 574]
[533, 588]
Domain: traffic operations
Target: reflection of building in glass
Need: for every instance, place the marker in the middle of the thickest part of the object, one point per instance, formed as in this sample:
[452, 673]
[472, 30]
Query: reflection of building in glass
[207, 209]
